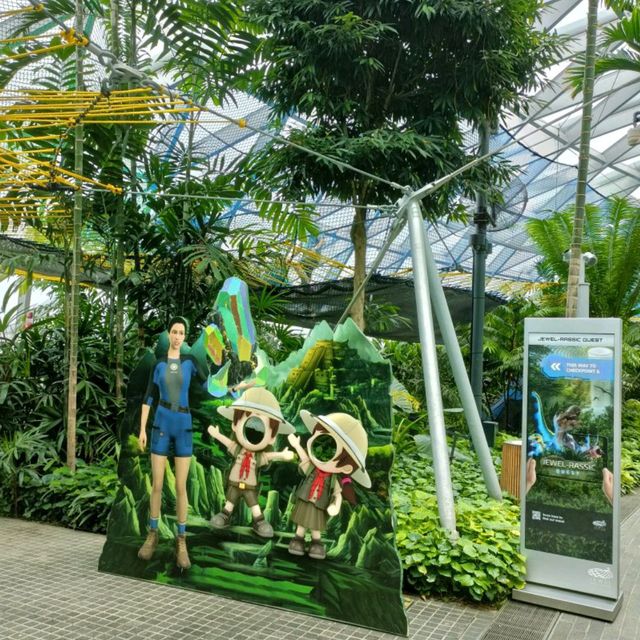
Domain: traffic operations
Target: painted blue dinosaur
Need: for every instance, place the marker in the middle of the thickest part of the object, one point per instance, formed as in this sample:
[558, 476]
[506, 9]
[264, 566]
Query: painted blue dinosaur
[554, 441]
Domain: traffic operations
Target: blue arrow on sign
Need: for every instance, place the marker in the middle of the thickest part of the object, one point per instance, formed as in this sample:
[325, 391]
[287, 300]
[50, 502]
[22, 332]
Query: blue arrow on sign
[556, 366]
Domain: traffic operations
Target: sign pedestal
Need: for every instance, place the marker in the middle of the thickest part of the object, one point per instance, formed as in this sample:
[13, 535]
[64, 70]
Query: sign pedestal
[570, 465]
[581, 604]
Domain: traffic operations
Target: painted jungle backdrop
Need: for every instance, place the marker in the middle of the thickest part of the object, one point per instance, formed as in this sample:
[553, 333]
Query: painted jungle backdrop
[360, 580]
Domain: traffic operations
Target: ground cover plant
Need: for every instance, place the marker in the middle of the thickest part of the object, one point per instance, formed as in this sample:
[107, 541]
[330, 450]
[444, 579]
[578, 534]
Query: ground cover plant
[484, 564]
[80, 500]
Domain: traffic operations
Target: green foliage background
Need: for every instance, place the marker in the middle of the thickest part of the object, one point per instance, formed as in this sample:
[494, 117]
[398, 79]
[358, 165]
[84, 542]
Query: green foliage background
[45, 490]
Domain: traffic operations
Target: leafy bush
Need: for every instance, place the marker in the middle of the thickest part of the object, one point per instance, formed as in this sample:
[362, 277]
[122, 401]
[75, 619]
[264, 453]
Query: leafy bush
[405, 430]
[23, 456]
[484, 564]
[33, 376]
[79, 501]
[630, 471]
[406, 363]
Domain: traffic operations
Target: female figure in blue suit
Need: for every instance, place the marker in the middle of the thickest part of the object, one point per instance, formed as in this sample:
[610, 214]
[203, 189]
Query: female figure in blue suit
[168, 389]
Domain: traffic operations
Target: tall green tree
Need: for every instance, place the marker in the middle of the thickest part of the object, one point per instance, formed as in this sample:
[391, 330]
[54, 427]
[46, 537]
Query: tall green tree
[76, 257]
[575, 254]
[383, 86]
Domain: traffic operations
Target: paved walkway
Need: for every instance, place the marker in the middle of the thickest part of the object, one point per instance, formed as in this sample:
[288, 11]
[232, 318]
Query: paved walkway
[50, 589]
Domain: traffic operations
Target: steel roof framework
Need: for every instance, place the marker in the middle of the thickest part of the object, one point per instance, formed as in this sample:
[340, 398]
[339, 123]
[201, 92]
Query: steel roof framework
[545, 149]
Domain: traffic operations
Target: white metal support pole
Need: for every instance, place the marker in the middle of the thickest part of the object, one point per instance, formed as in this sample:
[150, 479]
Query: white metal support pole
[430, 371]
[450, 339]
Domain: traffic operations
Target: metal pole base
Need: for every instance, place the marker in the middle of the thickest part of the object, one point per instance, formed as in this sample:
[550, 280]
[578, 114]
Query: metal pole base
[570, 601]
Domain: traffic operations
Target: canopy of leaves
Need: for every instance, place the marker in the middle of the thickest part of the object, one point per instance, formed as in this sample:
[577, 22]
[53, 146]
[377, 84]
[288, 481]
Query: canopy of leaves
[203, 42]
[384, 84]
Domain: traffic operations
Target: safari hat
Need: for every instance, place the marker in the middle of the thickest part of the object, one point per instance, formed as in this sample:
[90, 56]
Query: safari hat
[350, 433]
[258, 400]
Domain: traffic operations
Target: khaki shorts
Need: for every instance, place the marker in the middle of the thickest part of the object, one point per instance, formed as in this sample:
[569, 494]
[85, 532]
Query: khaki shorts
[238, 490]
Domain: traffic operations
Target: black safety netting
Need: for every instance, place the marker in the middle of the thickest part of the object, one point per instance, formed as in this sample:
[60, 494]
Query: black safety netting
[391, 305]
[49, 262]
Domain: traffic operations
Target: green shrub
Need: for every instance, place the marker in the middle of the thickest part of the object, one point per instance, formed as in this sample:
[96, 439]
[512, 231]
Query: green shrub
[33, 372]
[484, 564]
[80, 500]
[630, 471]
[23, 457]
[406, 363]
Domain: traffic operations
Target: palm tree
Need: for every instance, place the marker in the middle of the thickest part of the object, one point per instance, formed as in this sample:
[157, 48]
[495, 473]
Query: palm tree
[611, 232]
[621, 42]
[575, 256]
[625, 32]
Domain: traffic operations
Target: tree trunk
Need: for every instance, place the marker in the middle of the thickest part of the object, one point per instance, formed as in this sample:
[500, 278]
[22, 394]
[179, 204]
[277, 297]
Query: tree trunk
[359, 240]
[75, 261]
[133, 171]
[119, 319]
[114, 10]
[118, 270]
[66, 310]
[184, 287]
[137, 262]
[575, 257]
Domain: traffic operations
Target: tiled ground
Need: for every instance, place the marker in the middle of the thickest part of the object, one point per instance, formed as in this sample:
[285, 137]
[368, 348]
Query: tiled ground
[50, 589]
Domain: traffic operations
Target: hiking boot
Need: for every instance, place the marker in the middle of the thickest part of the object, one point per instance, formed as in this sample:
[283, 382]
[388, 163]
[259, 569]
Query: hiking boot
[317, 550]
[296, 546]
[148, 548]
[182, 556]
[262, 528]
[220, 520]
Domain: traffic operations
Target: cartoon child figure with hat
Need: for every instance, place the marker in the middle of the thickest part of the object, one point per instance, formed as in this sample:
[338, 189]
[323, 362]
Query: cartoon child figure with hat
[256, 422]
[335, 455]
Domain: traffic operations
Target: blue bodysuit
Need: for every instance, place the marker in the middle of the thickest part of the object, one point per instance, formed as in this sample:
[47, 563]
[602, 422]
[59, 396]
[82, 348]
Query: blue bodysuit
[169, 385]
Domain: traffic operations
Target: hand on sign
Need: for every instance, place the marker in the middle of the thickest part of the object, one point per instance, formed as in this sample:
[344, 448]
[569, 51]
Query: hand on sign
[607, 484]
[531, 473]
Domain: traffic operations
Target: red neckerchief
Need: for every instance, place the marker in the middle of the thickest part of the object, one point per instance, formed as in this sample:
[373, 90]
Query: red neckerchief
[318, 483]
[245, 467]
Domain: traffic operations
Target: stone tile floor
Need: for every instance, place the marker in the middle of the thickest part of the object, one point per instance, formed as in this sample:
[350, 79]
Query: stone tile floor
[50, 589]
